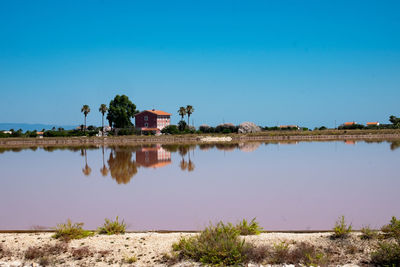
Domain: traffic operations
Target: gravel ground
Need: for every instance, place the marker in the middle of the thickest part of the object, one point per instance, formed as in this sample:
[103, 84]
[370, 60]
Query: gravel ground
[149, 248]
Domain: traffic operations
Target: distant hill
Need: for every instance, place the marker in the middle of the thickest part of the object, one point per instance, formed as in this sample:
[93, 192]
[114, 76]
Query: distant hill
[31, 127]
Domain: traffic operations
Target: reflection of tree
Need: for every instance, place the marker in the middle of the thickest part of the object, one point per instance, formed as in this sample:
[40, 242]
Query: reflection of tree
[183, 151]
[86, 170]
[122, 167]
[395, 145]
[190, 166]
[103, 170]
[183, 164]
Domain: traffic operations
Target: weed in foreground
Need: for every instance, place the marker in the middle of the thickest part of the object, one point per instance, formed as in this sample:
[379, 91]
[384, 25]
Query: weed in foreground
[386, 254]
[367, 233]
[112, 227]
[392, 230]
[308, 255]
[341, 230]
[47, 250]
[252, 228]
[4, 252]
[131, 260]
[216, 245]
[44, 261]
[68, 231]
[280, 253]
[82, 252]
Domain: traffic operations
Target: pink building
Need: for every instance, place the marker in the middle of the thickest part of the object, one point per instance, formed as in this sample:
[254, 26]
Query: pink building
[152, 120]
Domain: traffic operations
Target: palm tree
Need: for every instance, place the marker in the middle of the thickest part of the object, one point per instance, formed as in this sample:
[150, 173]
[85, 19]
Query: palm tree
[182, 112]
[87, 170]
[103, 109]
[104, 170]
[189, 111]
[85, 110]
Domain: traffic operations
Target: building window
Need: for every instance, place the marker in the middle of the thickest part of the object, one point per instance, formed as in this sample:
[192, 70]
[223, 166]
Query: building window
[146, 118]
[146, 125]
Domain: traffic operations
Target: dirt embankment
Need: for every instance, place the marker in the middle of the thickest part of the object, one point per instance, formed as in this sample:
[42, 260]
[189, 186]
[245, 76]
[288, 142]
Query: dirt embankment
[177, 139]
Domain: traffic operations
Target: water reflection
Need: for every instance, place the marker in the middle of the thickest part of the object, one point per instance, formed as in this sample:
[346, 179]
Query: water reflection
[121, 165]
[153, 157]
[86, 170]
[104, 169]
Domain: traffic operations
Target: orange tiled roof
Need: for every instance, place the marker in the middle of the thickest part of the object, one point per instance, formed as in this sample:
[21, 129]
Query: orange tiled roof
[157, 112]
[349, 123]
[372, 123]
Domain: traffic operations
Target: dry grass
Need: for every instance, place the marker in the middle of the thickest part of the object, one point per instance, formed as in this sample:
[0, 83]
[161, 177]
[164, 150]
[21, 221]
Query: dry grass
[4, 252]
[36, 252]
[82, 252]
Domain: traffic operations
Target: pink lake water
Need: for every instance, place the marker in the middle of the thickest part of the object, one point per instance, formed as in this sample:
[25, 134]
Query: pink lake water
[296, 186]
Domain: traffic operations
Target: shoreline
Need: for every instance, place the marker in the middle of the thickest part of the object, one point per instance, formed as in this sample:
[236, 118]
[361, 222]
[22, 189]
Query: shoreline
[149, 249]
[195, 139]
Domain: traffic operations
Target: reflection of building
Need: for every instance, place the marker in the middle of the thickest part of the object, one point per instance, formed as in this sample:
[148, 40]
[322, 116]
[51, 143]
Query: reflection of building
[153, 157]
[152, 120]
[350, 142]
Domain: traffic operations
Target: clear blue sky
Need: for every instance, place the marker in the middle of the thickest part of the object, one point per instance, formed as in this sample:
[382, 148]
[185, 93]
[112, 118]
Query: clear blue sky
[286, 62]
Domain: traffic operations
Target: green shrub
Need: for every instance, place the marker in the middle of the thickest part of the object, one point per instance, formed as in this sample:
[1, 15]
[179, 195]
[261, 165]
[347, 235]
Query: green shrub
[367, 233]
[392, 229]
[216, 245]
[131, 260]
[170, 129]
[252, 228]
[341, 230]
[112, 227]
[387, 254]
[68, 231]
[280, 253]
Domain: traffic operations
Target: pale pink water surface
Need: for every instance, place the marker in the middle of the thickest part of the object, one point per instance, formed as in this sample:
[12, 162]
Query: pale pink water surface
[296, 186]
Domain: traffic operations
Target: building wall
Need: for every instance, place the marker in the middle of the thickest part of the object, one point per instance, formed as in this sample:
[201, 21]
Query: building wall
[163, 121]
[140, 120]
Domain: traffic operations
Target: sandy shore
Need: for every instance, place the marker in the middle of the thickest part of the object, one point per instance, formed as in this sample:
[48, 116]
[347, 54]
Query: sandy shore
[149, 248]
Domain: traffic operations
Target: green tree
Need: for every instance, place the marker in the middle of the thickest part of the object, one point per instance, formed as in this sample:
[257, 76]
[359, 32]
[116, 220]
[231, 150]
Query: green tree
[85, 110]
[182, 112]
[182, 126]
[103, 109]
[394, 120]
[120, 112]
[189, 111]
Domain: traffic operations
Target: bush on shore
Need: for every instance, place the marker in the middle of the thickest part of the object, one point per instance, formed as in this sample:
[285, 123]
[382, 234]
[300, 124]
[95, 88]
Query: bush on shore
[387, 252]
[112, 227]
[67, 231]
[216, 245]
[341, 229]
[252, 228]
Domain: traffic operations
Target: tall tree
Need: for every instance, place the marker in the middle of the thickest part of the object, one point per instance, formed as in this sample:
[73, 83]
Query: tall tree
[120, 112]
[85, 110]
[394, 120]
[182, 112]
[103, 109]
[189, 111]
